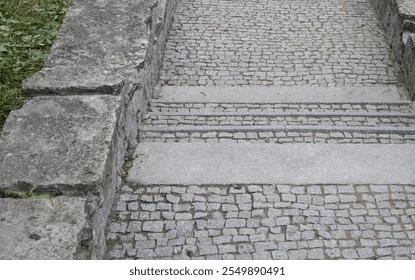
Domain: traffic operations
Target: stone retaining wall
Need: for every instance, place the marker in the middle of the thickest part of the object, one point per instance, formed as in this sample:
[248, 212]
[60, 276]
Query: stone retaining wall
[398, 17]
[70, 139]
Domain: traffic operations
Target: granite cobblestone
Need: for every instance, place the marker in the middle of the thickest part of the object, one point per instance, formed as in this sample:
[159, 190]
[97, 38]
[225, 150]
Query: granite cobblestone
[282, 43]
[281, 137]
[326, 120]
[294, 108]
[357, 228]
[360, 123]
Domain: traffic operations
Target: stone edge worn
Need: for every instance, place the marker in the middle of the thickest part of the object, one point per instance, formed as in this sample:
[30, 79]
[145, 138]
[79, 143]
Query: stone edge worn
[134, 86]
[398, 18]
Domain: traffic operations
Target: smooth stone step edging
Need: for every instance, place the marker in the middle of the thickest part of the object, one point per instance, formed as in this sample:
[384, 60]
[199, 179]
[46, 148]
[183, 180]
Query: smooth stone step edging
[98, 48]
[239, 163]
[40, 229]
[272, 94]
[71, 145]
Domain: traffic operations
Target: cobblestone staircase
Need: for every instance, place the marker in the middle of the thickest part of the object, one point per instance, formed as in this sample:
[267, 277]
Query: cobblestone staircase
[269, 179]
[377, 122]
[279, 133]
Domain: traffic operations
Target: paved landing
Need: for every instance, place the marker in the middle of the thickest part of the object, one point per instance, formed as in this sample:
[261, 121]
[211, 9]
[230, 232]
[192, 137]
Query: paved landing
[264, 222]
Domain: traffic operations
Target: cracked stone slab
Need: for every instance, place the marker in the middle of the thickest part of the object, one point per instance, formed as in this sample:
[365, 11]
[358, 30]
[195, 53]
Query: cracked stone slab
[273, 94]
[44, 229]
[239, 163]
[59, 143]
[98, 48]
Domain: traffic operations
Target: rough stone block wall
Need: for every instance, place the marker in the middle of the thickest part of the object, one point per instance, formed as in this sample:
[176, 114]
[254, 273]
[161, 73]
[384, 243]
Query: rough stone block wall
[409, 64]
[71, 138]
[398, 18]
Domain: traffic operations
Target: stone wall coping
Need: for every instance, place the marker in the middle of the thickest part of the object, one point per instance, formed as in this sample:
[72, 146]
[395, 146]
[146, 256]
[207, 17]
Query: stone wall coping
[72, 136]
[98, 48]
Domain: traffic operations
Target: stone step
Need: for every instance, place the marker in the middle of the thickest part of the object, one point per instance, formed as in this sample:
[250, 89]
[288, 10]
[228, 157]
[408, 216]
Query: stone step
[284, 118]
[280, 134]
[281, 107]
[280, 115]
[281, 94]
[245, 163]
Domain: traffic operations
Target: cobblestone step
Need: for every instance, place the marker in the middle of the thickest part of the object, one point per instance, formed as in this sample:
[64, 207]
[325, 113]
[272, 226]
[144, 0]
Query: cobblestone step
[280, 135]
[257, 221]
[284, 118]
[283, 107]
[382, 122]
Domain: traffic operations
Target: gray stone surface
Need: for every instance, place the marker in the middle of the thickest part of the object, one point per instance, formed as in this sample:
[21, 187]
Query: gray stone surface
[59, 143]
[223, 163]
[40, 229]
[98, 49]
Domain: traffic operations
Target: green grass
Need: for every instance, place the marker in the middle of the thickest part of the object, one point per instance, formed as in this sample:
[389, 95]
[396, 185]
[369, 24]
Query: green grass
[17, 194]
[27, 31]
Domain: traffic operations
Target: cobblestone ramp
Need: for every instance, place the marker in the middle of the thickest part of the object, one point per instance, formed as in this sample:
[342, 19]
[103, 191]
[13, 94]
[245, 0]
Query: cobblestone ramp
[283, 43]
[280, 132]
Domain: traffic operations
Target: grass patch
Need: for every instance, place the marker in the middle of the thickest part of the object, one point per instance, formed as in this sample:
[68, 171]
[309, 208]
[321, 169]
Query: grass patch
[27, 31]
[17, 194]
